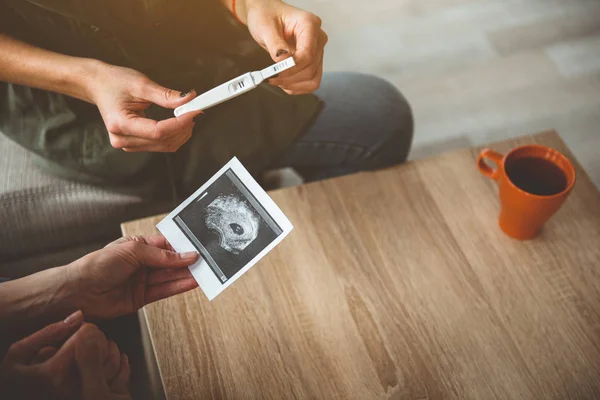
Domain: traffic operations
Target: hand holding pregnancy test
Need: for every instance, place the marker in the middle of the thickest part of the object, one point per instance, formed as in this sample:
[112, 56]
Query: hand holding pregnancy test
[231, 221]
[234, 87]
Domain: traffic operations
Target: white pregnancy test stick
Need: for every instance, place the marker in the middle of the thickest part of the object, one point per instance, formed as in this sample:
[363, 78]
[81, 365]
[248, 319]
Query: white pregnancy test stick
[234, 87]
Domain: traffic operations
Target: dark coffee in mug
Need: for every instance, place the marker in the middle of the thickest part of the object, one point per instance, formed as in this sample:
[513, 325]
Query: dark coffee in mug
[536, 176]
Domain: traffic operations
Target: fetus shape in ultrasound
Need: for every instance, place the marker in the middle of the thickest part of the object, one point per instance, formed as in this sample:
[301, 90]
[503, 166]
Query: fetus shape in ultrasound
[234, 221]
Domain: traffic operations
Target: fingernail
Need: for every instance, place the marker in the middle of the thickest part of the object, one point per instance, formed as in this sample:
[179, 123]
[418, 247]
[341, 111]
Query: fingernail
[125, 359]
[189, 255]
[281, 52]
[75, 317]
[185, 94]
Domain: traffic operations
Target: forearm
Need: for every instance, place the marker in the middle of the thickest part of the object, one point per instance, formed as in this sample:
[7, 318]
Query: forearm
[32, 66]
[32, 302]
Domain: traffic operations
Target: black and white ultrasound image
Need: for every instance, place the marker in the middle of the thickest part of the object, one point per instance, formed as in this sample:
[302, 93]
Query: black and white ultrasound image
[227, 225]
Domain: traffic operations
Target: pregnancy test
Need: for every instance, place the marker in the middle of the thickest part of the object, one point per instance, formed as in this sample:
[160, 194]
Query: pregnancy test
[234, 87]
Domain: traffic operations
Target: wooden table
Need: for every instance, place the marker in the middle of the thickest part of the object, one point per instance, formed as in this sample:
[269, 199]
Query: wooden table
[398, 284]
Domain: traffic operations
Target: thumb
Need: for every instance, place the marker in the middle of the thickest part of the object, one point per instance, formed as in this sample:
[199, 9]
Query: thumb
[151, 256]
[274, 41]
[167, 98]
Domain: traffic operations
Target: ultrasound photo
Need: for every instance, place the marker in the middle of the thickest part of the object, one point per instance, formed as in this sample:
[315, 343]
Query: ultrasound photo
[231, 221]
[227, 225]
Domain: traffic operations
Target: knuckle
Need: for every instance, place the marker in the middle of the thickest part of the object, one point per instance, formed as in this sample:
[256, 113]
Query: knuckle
[314, 85]
[87, 329]
[184, 125]
[117, 142]
[175, 145]
[315, 19]
[140, 87]
[137, 238]
[169, 94]
[114, 347]
[15, 348]
[131, 247]
[113, 125]
[172, 148]
[159, 134]
[52, 329]
[92, 331]
[169, 255]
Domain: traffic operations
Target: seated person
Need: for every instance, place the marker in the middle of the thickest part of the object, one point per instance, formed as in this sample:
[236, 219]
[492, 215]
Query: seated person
[42, 362]
[90, 88]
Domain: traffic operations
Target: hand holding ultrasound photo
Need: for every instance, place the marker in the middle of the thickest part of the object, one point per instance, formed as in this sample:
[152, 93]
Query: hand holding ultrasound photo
[231, 222]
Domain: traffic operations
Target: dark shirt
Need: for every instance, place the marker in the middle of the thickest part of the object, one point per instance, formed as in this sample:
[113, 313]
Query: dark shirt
[180, 44]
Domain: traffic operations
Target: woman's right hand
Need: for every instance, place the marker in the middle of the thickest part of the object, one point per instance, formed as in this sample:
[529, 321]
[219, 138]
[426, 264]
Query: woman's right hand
[122, 95]
[97, 382]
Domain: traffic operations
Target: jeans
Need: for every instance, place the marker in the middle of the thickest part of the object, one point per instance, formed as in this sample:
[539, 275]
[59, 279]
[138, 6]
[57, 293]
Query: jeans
[365, 124]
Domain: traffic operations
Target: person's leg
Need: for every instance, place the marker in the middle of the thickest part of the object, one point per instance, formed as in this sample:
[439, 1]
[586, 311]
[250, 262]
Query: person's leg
[365, 124]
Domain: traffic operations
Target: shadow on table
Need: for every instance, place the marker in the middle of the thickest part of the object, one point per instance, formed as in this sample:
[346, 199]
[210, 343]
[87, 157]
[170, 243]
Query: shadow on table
[131, 335]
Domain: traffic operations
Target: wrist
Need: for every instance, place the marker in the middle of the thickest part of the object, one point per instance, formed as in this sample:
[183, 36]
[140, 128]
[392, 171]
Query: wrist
[32, 302]
[85, 78]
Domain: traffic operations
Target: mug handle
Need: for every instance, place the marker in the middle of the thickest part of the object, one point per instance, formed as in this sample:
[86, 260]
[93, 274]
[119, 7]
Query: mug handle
[485, 169]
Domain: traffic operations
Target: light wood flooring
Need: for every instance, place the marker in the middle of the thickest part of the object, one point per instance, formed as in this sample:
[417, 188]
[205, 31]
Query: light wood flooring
[477, 71]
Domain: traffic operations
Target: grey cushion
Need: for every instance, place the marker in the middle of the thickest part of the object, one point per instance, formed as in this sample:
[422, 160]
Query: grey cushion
[24, 266]
[40, 212]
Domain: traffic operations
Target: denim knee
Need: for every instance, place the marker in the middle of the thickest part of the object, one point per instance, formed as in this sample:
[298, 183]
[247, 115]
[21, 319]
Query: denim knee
[373, 107]
[396, 124]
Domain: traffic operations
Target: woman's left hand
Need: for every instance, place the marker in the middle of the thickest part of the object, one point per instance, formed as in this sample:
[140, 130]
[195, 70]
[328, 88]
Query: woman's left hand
[34, 368]
[42, 364]
[284, 30]
[128, 274]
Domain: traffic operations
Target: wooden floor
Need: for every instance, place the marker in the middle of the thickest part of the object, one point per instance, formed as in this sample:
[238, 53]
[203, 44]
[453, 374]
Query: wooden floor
[478, 71]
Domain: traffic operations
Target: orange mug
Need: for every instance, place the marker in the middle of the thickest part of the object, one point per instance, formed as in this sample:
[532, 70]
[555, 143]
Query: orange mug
[533, 181]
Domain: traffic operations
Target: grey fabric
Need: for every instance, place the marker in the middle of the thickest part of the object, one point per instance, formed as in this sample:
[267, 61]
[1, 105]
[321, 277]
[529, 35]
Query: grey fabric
[70, 134]
[24, 266]
[40, 212]
[365, 124]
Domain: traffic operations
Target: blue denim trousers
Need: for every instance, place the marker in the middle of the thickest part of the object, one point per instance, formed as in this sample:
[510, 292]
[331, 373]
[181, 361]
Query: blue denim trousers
[365, 124]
